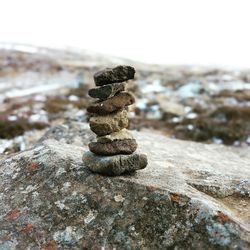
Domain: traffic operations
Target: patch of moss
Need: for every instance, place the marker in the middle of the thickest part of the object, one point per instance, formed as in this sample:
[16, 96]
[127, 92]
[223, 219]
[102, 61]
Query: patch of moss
[81, 91]
[56, 105]
[11, 129]
[228, 123]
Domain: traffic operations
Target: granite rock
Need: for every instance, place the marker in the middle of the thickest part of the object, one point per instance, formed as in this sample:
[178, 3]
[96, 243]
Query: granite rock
[116, 164]
[115, 103]
[104, 125]
[114, 75]
[123, 134]
[191, 196]
[127, 146]
[107, 91]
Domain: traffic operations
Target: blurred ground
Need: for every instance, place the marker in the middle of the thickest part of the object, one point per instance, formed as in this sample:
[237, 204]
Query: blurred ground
[40, 87]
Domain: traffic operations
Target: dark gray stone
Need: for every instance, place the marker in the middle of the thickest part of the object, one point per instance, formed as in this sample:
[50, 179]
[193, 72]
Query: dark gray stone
[107, 91]
[116, 164]
[120, 73]
[114, 147]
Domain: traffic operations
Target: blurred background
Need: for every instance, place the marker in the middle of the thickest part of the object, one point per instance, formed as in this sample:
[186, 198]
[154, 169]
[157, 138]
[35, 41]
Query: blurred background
[191, 57]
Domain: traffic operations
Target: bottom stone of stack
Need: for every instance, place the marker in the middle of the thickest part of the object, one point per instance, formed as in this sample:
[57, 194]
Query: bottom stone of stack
[114, 165]
[126, 146]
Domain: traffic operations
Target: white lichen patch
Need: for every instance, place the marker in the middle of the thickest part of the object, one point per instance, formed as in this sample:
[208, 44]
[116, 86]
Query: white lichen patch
[91, 216]
[68, 236]
[35, 194]
[14, 176]
[60, 171]
[29, 189]
[61, 205]
[119, 198]
[66, 185]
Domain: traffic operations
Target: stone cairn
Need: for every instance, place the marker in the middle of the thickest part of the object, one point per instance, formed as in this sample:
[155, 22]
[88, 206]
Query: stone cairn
[113, 152]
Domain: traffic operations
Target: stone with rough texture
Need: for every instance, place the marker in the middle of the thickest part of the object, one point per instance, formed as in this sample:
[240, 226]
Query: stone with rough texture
[114, 147]
[104, 125]
[191, 196]
[123, 134]
[107, 91]
[116, 164]
[114, 75]
[115, 103]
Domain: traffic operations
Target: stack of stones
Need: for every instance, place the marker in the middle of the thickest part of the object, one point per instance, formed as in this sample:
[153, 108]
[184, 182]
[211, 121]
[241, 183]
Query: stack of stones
[113, 152]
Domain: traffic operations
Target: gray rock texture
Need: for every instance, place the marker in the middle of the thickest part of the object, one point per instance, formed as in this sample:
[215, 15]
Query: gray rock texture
[191, 196]
[120, 73]
[107, 91]
[115, 103]
[103, 125]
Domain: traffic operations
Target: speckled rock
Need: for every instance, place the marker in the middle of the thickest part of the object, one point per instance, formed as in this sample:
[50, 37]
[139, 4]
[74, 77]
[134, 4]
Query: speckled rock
[123, 134]
[115, 103]
[103, 125]
[191, 196]
[127, 146]
[114, 165]
[114, 75]
[107, 91]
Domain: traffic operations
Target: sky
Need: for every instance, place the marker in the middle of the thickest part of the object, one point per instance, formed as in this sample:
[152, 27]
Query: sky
[197, 32]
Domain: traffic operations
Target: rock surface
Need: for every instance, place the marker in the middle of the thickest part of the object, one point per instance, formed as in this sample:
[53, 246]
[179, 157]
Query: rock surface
[127, 146]
[112, 104]
[103, 125]
[114, 75]
[191, 196]
[114, 165]
[107, 91]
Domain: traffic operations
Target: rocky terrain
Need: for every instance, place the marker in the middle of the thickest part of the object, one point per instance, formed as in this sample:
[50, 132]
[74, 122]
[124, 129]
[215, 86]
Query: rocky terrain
[191, 195]
[40, 87]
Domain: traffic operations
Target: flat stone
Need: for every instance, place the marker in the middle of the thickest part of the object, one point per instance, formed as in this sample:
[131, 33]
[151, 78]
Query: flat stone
[106, 91]
[104, 125]
[113, 75]
[116, 164]
[114, 147]
[115, 103]
[120, 135]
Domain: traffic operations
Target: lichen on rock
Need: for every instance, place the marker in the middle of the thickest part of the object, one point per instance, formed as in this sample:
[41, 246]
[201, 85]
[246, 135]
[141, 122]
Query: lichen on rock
[49, 199]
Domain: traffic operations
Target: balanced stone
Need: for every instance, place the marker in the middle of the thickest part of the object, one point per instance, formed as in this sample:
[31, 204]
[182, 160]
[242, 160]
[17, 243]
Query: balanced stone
[116, 164]
[117, 102]
[123, 134]
[113, 75]
[106, 91]
[127, 146]
[104, 125]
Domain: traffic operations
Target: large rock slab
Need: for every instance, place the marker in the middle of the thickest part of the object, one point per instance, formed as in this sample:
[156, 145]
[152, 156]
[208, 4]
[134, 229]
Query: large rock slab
[190, 196]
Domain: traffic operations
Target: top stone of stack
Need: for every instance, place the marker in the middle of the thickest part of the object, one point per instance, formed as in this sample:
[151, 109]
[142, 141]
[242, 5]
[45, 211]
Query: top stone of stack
[114, 75]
